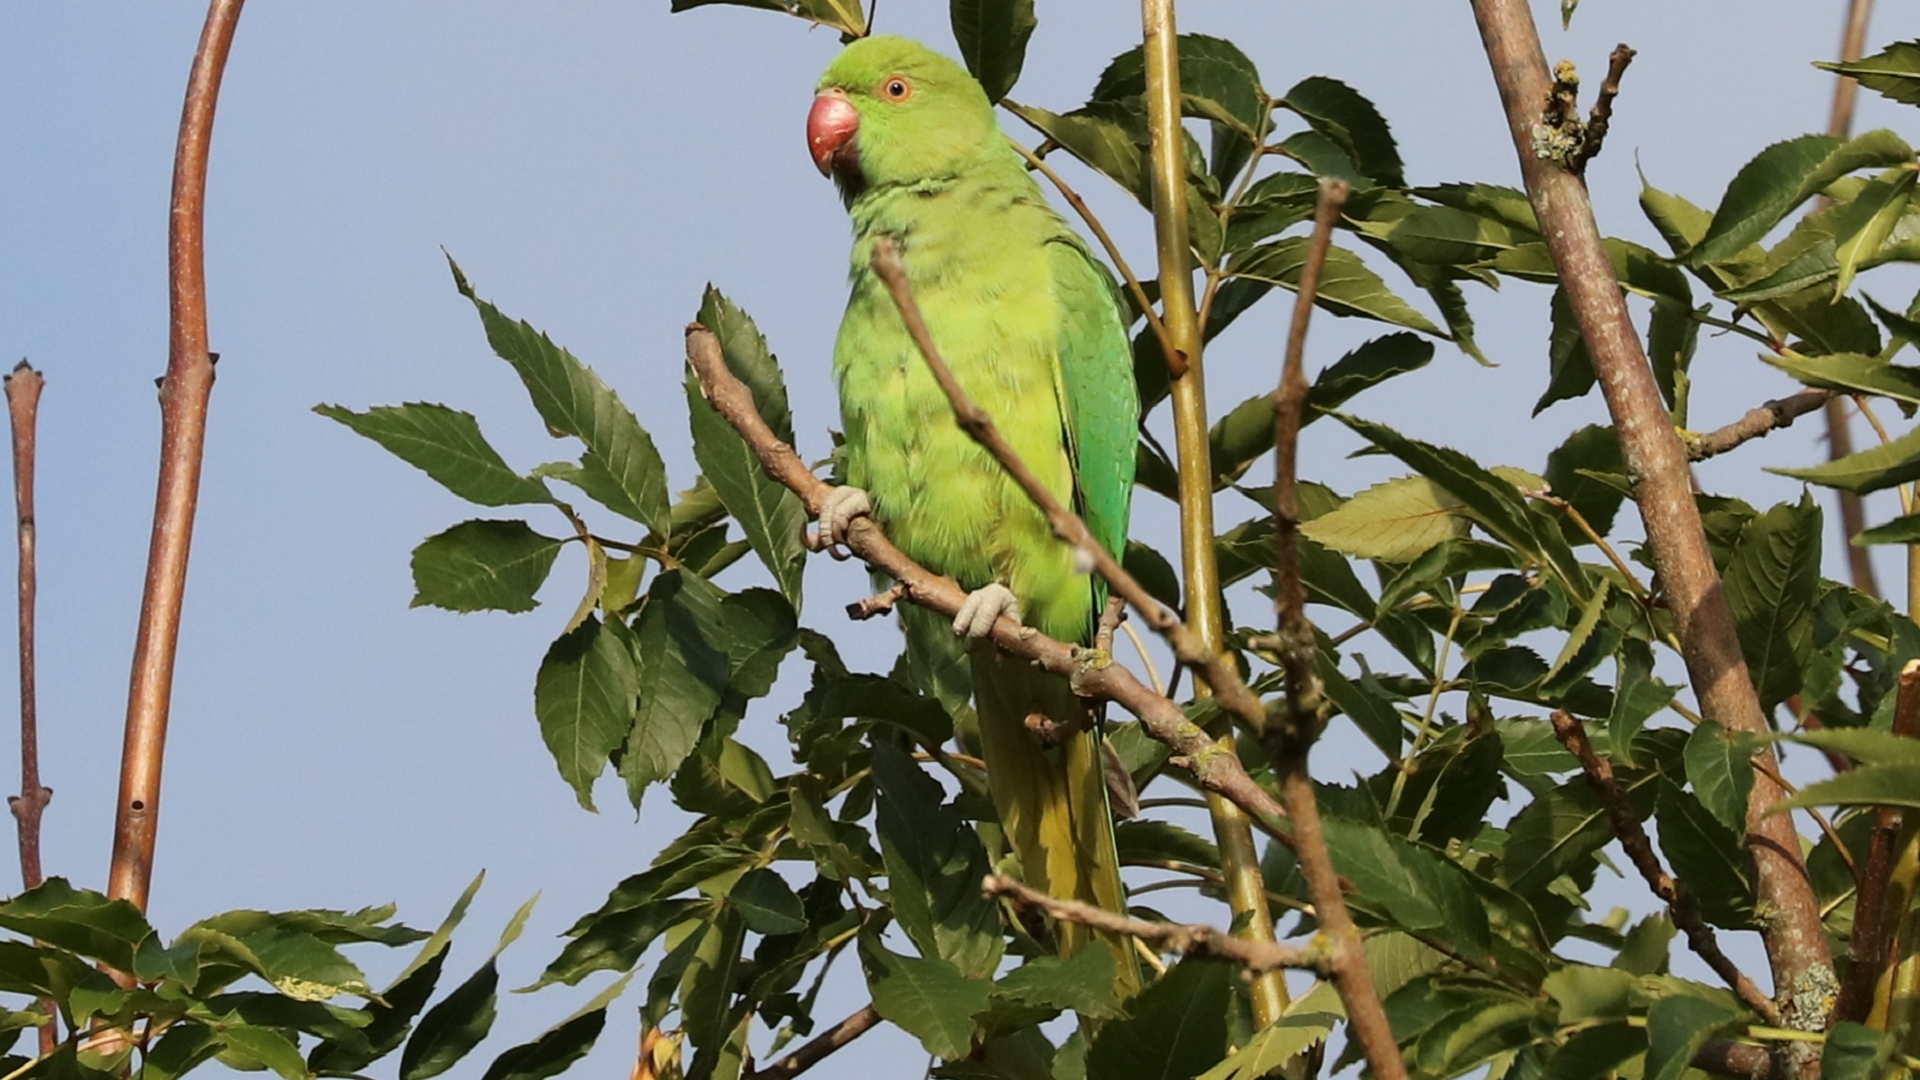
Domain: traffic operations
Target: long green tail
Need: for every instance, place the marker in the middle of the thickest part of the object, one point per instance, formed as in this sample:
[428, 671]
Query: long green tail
[1052, 801]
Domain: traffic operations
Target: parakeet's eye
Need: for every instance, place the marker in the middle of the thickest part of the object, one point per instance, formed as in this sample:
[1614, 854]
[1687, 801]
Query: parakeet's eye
[896, 88]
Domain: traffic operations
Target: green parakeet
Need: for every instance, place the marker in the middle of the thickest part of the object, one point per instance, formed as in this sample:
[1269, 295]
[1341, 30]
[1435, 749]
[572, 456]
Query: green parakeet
[1032, 326]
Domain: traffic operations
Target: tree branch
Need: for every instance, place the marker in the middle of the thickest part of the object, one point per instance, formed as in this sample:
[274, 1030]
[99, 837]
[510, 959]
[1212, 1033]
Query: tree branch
[1215, 770]
[1756, 423]
[1602, 115]
[1290, 741]
[1869, 945]
[1794, 935]
[1186, 939]
[817, 1048]
[1626, 826]
[184, 394]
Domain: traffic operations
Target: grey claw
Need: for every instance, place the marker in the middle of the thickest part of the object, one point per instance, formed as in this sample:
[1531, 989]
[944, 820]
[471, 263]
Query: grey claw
[842, 505]
[983, 608]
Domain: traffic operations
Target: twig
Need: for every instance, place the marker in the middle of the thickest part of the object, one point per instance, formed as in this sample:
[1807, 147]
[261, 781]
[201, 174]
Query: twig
[1626, 826]
[1214, 769]
[1176, 361]
[23, 406]
[816, 1049]
[1290, 741]
[1226, 683]
[1186, 939]
[183, 432]
[1602, 114]
[1756, 423]
[1728, 1058]
[1853, 516]
[1868, 945]
[1794, 935]
[878, 604]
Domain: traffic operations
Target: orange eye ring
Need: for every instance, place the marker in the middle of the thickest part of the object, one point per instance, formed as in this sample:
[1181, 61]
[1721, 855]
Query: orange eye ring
[896, 88]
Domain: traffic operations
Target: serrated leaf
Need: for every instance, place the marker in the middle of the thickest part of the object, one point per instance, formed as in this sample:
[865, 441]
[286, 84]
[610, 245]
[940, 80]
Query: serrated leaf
[1761, 194]
[559, 1046]
[446, 445]
[1557, 833]
[583, 697]
[1873, 469]
[1867, 746]
[1414, 888]
[1306, 1024]
[1107, 137]
[1217, 82]
[992, 35]
[1720, 768]
[453, 1027]
[1505, 205]
[1570, 367]
[1893, 71]
[1367, 366]
[1396, 521]
[1852, 373]
[845, 16]
[1709, 858]
[1855, 1051]
[1176, 1027]
[1570, 475]
[680, 652]
[930, 999]
[574, 401]
[766, 903]
[1347, 286]
[1341, 113]
[483, 566]
[268, 1047]
[78, 919]
[935, 863]
[1862, 226]
[1869, 785]
[1677, 1027]
[1444, 236]
[1771, 583]
[1083, 984]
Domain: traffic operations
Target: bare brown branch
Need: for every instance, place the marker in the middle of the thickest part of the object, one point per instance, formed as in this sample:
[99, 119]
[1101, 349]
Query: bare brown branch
[1186, 939]
[1639, 847]
[184, 394]
[878, 604]
[1869, 945]
[1291, 740]
[1756, 423]
[1602, 115]
[1794, 935]
[1214, 769]
[817, 1049]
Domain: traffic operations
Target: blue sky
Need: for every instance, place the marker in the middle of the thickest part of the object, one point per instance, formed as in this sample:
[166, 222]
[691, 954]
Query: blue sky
[592, 164]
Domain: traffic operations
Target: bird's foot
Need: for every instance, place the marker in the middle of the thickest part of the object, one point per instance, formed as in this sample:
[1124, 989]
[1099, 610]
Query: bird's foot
[983, 608]
[837, 512]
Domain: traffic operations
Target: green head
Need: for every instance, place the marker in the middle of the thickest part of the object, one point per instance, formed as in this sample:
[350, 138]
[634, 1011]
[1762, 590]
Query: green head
[892, 111]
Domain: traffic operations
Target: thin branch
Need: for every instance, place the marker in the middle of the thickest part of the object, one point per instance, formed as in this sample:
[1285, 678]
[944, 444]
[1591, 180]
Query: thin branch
[1176, 362]
[878, 604]
[1290, 741]
[1869, 946]
[23, 407]
[1756, 423]
[1214, 769]
[1602, 114]
[1626, 826]
[184, 394]
[1853, 516]
[1186, 939]
[1795, 938]
[1728, 1058]
[819, 1047]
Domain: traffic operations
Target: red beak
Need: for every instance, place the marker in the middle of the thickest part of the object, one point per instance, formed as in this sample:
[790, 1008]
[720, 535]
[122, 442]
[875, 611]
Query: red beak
[830, 128]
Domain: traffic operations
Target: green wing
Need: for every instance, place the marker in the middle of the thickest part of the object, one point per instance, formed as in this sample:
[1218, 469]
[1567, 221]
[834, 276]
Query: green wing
[1096, 389]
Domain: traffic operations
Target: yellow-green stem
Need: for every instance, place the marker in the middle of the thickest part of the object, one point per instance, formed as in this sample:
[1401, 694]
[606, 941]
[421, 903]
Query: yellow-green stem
[1239, 859]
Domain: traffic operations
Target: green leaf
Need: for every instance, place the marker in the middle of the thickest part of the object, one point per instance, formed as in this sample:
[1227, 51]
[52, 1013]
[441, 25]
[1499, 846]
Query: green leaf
[1347, 286]
[935, 863]
[1395, 521]
[1414, 888]
[1677, 1027]
[680, 650]
[1570, 475]
[452, 1028]
[559, 1046]
[446, 445]
[304, 967]
[1873, 469]
[1771, 583]
[766, 903]
[1762, 193]
[992, 35]
[1083, 984]
[769, 513]
[268, 1047]
[1901, 530]
[483, 566]
[1852, 373]
[1869, 785]
[1720, 768]
[1176, 1027]
[1306, 1024]
[930, 999]
[1367, 366]
[846, 16]
[573, 401]
[1147, 840]
[1893, 72]
[1507, 206]
[1863, 225]
[1240, 438]
[1595, 1052]
[1341, 113]
[615, 940]
[1217, 82]
[82, 920]
[1152, 570]
[1867, 746]
[1569, 365]
[1443, 236]
[583, 697]
[1107, 137]
[1709, 858]
[1557, 833]
[1856, 1051]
